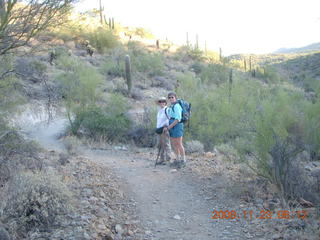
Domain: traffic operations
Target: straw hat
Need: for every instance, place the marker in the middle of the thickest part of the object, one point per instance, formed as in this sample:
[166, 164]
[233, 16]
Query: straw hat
[161, 99]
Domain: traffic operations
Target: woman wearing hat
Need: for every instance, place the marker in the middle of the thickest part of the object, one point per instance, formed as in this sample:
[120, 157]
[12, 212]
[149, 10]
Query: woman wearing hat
[163, 139]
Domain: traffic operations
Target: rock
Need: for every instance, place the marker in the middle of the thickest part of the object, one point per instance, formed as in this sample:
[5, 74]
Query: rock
[86, 236]
[315, 173]
[147, 232]
[4, 235]
[101, 227]
[107, 237]
[209, 155]
[63, 159]
[177, 217]
[276, 236]
[119, 229]
[130, 233]
[173, 170]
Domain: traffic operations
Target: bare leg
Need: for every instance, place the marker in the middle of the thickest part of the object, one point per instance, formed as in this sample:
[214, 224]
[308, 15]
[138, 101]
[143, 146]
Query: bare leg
[181, 149]
[176, 148]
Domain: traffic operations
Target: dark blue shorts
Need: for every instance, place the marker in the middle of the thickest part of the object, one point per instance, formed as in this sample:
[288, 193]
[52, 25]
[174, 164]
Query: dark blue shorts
[177, 130]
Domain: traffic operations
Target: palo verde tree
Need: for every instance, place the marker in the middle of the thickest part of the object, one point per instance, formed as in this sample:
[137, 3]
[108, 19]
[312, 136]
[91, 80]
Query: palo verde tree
[22, 20]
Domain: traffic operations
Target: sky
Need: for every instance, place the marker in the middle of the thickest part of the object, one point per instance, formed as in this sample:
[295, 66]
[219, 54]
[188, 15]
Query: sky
[237, 26]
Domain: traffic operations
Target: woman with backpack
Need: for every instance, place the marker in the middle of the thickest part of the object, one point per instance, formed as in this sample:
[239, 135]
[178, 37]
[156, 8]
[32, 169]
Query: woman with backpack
[176, 130]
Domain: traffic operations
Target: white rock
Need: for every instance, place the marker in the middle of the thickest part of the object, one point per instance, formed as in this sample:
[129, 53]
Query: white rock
[177, 217]
[119, 229]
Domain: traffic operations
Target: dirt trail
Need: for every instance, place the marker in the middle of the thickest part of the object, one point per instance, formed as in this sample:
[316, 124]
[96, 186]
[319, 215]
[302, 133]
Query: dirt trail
[170, 205]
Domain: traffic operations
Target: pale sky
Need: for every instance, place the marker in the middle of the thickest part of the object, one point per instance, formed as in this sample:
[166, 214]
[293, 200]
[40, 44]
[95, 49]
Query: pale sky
[237, 26]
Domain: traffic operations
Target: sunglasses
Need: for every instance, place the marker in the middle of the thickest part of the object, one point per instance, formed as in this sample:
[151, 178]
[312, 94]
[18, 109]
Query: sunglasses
[161, 101]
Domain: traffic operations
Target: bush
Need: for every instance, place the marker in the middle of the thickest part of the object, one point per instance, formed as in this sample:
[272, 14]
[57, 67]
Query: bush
[16, 154]
[34, 201]
[10, 87]
[194, 147]
[150, 63]
[102, 39]
[312, 133]
[114, 64]
[214, 74]
[30, 69]
[79, 86]
[109, 122]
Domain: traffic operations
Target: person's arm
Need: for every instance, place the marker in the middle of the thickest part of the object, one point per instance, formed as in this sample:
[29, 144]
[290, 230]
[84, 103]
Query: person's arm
[175, 122]
[178, 112]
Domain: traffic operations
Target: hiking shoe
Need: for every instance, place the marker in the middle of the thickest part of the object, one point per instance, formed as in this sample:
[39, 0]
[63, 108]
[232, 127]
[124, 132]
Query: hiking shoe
[181, 164]
[161, 163]
[174, 164]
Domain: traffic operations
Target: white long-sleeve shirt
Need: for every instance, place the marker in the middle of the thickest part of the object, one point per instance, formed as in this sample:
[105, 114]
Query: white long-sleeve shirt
[162, 118]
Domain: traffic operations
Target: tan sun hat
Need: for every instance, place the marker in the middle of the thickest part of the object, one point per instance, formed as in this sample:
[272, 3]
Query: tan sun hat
[161, 99]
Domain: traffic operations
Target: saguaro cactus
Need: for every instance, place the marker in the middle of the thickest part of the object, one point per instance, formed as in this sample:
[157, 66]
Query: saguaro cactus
[230, 82]
[245, 64]
[188, 40]
[220, 55]
[205, 47]
[157, 44]
[128, 73]
[112, 23]
[197, 41]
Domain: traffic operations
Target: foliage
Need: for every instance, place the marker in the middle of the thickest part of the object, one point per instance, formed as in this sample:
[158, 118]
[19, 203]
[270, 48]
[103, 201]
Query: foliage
[79, 83]
[152, 64]
[19, 22]
[189, 52]
[108, 122]
[267, 125]
[113, 64]
[10, 94]
[101, 38]
[34, 201]
[143, 33]
[312, 133]
[268, 73]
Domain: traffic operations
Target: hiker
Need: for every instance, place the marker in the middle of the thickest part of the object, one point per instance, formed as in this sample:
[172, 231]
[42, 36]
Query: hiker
[164, 146]
[176, 129]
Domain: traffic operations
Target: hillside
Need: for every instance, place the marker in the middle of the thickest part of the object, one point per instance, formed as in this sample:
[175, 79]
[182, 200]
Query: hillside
[306, 49]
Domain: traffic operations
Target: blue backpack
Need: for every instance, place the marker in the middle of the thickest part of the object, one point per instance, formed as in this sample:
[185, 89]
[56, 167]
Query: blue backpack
[186, 110]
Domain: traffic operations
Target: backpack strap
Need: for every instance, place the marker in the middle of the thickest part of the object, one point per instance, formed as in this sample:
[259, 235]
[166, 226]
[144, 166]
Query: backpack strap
[172, 107]
[165, 111]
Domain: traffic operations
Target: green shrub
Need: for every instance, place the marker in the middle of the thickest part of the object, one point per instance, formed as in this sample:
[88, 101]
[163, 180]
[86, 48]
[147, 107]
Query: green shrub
[10, 87]
[312, 123]
[217, 117]
[79, 87]
[150, 63]
[113, 66]
[268, 73]
[188, 52]
[109, 122]
[34, 201]
[214, 74]
[102, 39]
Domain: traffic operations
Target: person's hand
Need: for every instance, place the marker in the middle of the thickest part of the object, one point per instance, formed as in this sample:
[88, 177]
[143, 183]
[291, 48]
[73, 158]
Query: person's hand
[165, 129]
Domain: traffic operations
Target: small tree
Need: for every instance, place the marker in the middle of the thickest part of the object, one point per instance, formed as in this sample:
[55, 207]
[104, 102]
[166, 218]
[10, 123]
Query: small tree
[19, 22]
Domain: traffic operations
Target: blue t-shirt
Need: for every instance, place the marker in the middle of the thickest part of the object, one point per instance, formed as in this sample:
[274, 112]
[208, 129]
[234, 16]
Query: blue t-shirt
[175, 111]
